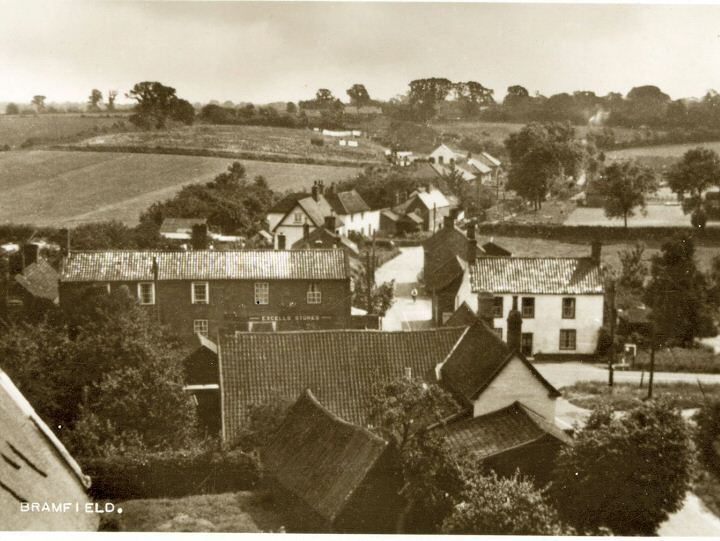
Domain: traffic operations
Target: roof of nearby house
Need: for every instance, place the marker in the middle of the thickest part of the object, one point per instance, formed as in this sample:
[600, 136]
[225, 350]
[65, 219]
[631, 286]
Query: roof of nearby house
[443, 269]
[362, 110]
[137, 265]
[348, 202]
[339, 366]
[537, 275]
[433, 198]
[462, 317]
[492, 249]
[328, 238]
[489, 159]
[479, 165]
[390, 215]
[287, 203]
[319, 458]
[40, 279]
[413, 217]
[478, 359]
[315, 210]
[500, 431]
[463, 168]
[446, 236]
[421, 170]
[454, 150]
[180, 225]
[35, 465]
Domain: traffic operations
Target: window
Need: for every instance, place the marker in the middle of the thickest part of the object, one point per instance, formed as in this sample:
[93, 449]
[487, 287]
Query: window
[498, 331]
[314, 296]
[200, 293]
[262, 293]
[568, 339]
[200, 326]
[441, 159]
[298, 217]
[528, 307]
[568, 308]
[146, 293]
[497, 307]
[526, 344]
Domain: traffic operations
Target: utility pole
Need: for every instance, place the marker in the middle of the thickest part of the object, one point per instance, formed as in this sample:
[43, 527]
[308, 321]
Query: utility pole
[652, 361]
[611, 356]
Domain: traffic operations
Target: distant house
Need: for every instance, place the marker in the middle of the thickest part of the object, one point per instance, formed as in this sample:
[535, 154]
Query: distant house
[561, 300]
[326, 238]
[330, 475]
[350, 212]
[31, 284]
[429, 204]
[362, 110]
[481, 167]
[181, 229]
[37, 469]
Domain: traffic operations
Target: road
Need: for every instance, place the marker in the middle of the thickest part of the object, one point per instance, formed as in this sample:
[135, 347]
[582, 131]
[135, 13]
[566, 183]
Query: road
[405, 314]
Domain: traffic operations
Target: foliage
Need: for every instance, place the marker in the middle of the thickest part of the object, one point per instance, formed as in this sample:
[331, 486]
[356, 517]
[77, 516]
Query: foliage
[425, 94]
[625, 396]
[634, 271]
[12, 109]
[540, 155]
[625, 473]
[472, 97]
[624, 186]
[381, 297]
[94, 100]
[698, 170]
[491, 505]
[251, 116]
[38, 102]
[264, 419]
[230, 203]
[707, 435]
[358, 95]
[678, 295]
[156, 103]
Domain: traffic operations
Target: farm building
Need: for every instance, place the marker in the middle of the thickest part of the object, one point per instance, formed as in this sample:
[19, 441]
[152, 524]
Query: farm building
[37, 469]
[424, 210]
[482, 167]
[208, 291]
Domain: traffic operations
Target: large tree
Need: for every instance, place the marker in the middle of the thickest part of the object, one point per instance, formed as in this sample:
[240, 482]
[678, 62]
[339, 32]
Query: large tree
[472, 97]
[516, 95]
[541, 154]
[426, 94]
[12, 109]
[698, 170]
[94, 100]
[111, 97]
[678, 294]
[156, 103]
[626, 473]
[39, 102]
[624, 186]
[358, 94]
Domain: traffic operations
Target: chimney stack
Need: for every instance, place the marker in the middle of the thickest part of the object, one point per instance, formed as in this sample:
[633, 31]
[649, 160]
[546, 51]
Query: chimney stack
[449, 221]
[281, 241]
[514, 327]
[315, 192]
[65, 242]
[330, 223]
[30, 253]
[321, 187]
[306, 231]
[199, 237]
[471, 230]
[155, 269]
[486, 304]
[596, 251]
[471, 243]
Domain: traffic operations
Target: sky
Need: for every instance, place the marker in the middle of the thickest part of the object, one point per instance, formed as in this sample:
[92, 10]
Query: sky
[277, 51]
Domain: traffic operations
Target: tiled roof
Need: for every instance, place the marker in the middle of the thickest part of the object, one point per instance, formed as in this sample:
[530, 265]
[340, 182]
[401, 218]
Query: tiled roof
[498, 432]
[421, 170]
[462, 317]
[339, 366]
[452, 236]
[477, 359]
[328, 239]
[390, 214]
[479, 165]
[287, 203]
[319, 458]
[132, 265]
[537, 275]
[180, 225]
[433, 198]
[40, 280]
[443, 268]
[348, 202]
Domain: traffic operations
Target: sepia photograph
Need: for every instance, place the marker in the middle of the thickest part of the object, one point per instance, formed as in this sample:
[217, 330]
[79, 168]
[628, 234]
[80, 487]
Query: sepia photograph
[418, 268]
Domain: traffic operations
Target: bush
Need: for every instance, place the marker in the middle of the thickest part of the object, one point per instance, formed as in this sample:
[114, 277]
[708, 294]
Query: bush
[317, 141]
[171, 474]
[707, 436]
[700, 360]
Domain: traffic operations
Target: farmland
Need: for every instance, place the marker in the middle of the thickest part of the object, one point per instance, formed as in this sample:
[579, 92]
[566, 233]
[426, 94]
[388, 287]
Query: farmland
[45, 187]
[49, 128]
[253, 142]
[658, 157]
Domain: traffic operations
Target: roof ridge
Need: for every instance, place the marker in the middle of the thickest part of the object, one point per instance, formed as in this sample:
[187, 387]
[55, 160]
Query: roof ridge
[345, 331]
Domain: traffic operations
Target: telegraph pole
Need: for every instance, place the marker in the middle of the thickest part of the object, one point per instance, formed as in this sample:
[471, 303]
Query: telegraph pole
[652, 360]
[611, 356]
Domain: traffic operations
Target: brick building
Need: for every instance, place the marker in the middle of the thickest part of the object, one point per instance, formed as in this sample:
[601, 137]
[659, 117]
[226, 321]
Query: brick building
[208, 291]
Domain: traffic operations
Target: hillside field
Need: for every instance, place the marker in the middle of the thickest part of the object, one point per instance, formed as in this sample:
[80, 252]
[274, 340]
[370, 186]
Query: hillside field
[264, 142]
[45, 187]
[659, 157]
[47, 128]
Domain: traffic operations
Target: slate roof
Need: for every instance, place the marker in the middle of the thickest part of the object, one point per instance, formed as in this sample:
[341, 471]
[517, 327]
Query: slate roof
[315, 210]
[500, 431]
[180, 225]
[390, 214]
[34, 467]
[287, 203]
[433, 198]
[348, 202]
[339, 366]
[462, 317]
[319, 458]
[489, 159]
[443, 268]
[328, 240]
[136, 265]
[492, 249]
[446, 236]
[421, 170]
[477, 359]
[537, 275]
[40, 279]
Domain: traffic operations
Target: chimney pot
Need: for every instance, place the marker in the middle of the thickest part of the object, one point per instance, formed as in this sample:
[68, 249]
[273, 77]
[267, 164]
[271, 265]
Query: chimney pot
[330, 223]
[471, 230]
[30, 253]
[315, 192]
[65, 241]
[596, 251]
[306, 231]
[281, 241]
[471, 250]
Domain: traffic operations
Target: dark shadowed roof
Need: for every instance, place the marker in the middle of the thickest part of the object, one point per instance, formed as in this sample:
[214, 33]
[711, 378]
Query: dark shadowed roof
[420, 170]
[328, 239]
[462, 317]
[136, 265]
[339, 366]
[442, 268]
[500, 431]
[320, 458]
[492, 249]
[287, 203]
[477, 359]
[40, 280]
[452, 237]
[538, 275]
[348, 202]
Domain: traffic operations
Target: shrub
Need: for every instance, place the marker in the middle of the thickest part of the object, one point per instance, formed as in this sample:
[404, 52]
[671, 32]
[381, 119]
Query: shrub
[317, 141]
[700, 360]
[707, 435]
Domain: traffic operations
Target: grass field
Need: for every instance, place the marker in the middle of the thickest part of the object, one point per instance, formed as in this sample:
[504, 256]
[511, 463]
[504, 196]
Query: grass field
[45, 187]
[16, 129]
[658, 157]
[657, 216]
[241, 512]
[265, 141]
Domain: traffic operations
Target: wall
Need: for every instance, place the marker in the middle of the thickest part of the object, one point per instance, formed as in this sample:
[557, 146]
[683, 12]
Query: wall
[516, 383]
[362, 222]
[548, 320]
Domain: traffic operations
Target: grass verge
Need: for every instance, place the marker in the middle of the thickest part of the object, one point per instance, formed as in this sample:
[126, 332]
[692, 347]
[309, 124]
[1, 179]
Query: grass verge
[590, 394]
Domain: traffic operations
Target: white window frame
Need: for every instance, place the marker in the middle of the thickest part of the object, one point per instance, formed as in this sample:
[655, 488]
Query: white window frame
[574, 307]
[570, 332]
[314, 295]
[262, 293]
[194, 298]
[201, 326]
[498, 299]
[140, 295]
[499, 332]
[524, 305]
[297, 217]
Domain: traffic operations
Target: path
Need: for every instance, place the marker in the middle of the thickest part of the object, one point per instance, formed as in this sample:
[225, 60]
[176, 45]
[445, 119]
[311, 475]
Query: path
[405, 314]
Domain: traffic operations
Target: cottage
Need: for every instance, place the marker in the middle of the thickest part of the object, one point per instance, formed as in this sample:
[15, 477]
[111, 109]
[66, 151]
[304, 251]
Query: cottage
[208, 291]
[561, 299]
[481, 167]
[429, 204]
[37, 469]
[29, 285]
